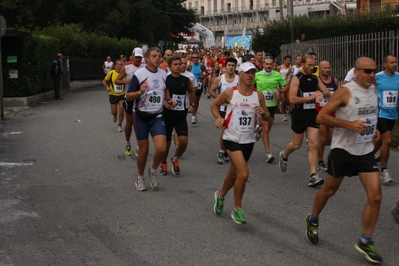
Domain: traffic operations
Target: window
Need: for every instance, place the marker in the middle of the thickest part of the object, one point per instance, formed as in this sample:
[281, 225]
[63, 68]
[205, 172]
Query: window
[228, 7]
[202, 11]
[251, 4]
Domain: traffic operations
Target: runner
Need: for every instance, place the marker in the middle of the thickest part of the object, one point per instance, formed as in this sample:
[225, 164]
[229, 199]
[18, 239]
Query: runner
[209, 64]
[116, 94]
[305, 90]
[259, 61]
[285, 70]
[108, 65]
[148, 90]
[124, 78]
[387, 90]
[200, 72]
[355, 106]
[226, 81]
[267, 82]
[244, 104]
[325, 132]
[181, 91]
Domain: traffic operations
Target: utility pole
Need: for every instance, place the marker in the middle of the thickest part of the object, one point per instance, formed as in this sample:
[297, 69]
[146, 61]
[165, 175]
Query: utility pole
[290, 17]
[280, 3]
[3, 28]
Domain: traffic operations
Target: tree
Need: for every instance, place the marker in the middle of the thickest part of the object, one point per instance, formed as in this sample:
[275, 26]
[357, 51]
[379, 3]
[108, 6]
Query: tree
[145, 20]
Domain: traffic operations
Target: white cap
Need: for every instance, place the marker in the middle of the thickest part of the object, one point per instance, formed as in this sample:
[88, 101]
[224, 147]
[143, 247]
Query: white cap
[138, 52]
[247, 66]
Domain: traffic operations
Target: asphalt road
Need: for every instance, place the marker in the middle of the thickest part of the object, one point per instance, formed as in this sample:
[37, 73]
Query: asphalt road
[67, 197]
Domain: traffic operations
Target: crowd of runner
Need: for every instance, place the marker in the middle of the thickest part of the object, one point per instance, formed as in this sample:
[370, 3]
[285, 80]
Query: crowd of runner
[155, 92]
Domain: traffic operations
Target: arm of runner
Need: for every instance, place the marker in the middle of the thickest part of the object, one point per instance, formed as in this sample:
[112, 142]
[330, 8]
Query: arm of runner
[323, 88]
[191, 96]
[168, 102]
[214, 87]
[120, 79]
[136, 89]
[293, 93]
[262, 109]
[339, 99]
[223, 98]
[106, 84]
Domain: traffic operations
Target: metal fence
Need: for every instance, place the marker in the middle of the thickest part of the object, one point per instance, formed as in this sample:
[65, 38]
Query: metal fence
[342, 52]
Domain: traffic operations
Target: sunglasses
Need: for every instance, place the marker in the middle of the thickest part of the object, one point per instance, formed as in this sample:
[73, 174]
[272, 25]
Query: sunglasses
[367, 70]
[268, 57]
[194, 57]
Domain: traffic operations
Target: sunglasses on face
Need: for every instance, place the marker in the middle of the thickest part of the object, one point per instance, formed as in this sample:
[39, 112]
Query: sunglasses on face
[195, 57]
[367, 70]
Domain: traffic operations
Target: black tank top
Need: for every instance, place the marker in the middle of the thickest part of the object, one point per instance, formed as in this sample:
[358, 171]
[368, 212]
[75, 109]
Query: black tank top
[308, 84]
[331, 86]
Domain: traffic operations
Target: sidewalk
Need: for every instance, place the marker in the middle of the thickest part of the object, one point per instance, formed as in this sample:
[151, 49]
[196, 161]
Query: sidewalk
[10, 103]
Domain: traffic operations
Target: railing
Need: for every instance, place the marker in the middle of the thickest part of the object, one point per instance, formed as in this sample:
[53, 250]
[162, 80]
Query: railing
[342, 52]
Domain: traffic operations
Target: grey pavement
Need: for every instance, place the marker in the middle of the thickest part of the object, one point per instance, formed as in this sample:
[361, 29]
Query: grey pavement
[67, 197]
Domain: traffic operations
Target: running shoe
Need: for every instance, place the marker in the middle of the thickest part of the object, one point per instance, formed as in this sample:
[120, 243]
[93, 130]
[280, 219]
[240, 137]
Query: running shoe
[114, 118]
[175, 166]
[395, 210]
[315, 180]
[220, 158]
[377, 157]
[153, 179]
[140, 186]
[258, 132]
[385, 177]
[136, 153]
[208, 96]
[282, 163]
[128, 150]
[368, 251]
[238, 216]
[163, 168]
[284, 117]
[312, 234]
[218, 207]
[226, 158]
[269, 157]
[194, 119]
[119, 128]
[322, 167]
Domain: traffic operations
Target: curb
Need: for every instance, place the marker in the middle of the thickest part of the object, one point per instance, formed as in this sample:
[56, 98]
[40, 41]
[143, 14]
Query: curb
[10, 102]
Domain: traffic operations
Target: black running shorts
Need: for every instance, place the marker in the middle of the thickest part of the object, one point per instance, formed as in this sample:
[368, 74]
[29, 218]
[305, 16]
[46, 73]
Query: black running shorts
[341, 163]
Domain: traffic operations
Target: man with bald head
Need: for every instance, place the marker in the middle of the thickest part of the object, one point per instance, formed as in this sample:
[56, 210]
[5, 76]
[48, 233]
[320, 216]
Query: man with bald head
[355, 127]
[325, 132]
[164, 65]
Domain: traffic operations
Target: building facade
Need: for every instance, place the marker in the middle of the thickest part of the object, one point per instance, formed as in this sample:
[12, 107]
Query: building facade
[230, 17]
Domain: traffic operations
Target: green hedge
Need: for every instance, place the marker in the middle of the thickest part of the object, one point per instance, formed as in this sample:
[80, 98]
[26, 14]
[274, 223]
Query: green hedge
[36, 52]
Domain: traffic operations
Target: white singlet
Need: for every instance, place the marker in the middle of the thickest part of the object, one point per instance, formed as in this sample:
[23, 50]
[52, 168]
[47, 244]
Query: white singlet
[239, 124]
[362, 105]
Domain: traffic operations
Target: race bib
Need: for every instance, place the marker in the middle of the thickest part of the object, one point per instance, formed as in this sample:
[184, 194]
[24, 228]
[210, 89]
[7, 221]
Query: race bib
[244, 120]
[222, 108]
[311, 104]
[119, 88]
[390, 98]
[179, 99]
[368, 134]
[153, 101]
[269, 97]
